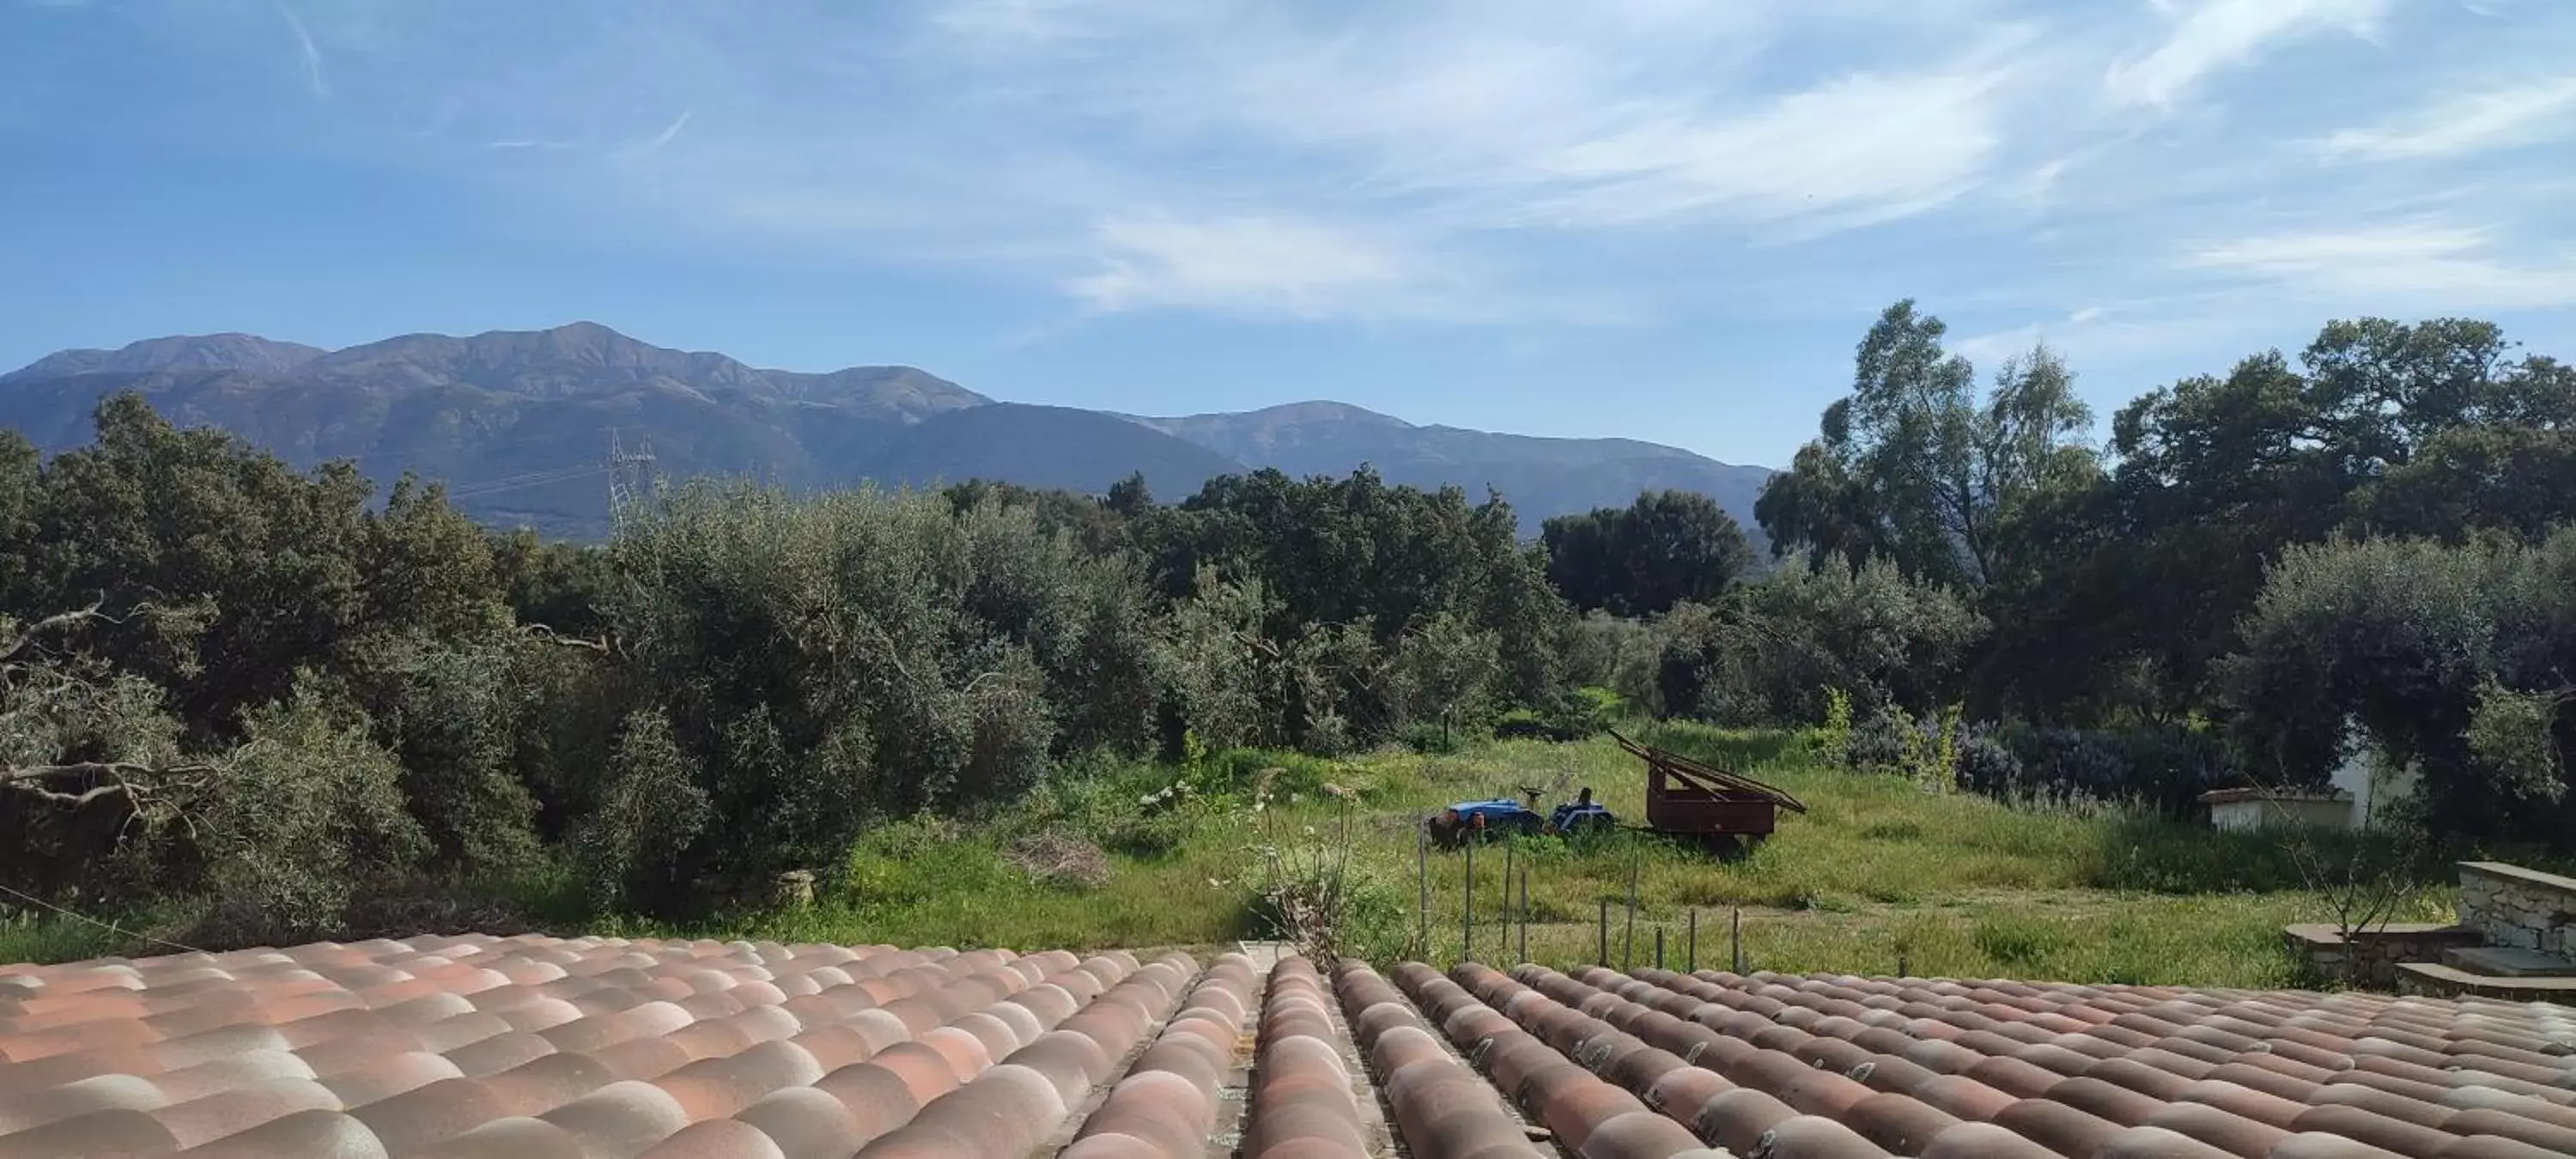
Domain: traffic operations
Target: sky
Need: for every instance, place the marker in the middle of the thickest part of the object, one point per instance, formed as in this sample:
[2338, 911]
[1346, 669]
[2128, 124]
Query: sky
[1658, 219]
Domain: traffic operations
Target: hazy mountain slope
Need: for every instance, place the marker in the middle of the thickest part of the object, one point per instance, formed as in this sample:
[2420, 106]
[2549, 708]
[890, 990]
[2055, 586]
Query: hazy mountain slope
[519, 424]
[1540, 476]
[199, 352]
[1049, 446]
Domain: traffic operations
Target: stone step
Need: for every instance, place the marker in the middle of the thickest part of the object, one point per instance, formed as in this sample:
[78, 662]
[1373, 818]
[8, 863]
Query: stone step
[2439, 981]
[2327, 934]
[2508, 962]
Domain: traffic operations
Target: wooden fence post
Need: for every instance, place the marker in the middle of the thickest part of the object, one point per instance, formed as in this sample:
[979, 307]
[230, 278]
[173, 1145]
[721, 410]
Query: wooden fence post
[1628, 955]
[1467, 911]
[1524, 954]
[1422, 892]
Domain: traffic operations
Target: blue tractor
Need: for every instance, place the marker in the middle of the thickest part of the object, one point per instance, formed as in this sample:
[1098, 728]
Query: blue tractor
[1457, 824]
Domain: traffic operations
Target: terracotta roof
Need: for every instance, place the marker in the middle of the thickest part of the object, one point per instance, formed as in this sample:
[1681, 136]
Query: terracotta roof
[587, 1048]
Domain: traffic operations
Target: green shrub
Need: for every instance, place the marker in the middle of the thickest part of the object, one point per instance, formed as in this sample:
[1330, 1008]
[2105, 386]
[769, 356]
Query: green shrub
[2016, 941]
[652, 808]
[920, 861]
[1433, 739]
[308, 814]
[1243, 774]
[1588, 711]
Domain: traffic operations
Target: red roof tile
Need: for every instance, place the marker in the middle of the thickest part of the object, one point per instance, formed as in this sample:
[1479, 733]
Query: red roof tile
[589, 1047]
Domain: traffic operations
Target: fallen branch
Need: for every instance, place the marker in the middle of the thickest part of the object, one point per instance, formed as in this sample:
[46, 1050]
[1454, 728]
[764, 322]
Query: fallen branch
[27, 637]
[122, 779]
[605, 645]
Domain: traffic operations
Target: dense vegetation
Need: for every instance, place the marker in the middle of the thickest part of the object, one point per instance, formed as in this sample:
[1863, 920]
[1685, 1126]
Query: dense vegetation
[1874, 877]
[2288, 558]
[313, 713]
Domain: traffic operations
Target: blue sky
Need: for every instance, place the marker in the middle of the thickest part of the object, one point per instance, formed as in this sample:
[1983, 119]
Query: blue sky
[1652, 218]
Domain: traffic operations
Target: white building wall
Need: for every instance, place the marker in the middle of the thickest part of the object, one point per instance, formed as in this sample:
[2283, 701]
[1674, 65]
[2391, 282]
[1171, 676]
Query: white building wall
[2373, 783]
[2247, 816]
[2237, 816]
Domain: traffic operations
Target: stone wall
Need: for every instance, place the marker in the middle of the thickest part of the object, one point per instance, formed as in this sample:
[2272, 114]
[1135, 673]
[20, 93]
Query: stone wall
[2373, 952]
[2522, 908]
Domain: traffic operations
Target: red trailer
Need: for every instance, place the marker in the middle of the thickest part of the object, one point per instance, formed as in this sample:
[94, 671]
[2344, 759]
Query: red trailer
[1685, 798]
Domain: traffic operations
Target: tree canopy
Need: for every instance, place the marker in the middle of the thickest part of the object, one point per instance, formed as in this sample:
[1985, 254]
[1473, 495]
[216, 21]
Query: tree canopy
[1668, 547]
[2295, 547]
[224, 678]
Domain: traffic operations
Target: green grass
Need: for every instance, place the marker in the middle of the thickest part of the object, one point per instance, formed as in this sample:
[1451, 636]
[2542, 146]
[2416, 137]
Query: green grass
[1876, 876]
[27, 936]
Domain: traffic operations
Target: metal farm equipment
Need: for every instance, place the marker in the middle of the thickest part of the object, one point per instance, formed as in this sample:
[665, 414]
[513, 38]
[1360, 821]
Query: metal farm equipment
[1466, 820]
[1685, 798]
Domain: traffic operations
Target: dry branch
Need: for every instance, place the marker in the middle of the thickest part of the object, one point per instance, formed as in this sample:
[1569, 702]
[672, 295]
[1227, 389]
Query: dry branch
[605, 644]
[138, 784]
[16, 649]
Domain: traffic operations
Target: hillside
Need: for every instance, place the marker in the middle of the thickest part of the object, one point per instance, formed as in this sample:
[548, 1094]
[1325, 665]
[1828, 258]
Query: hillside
[518, 423]
[1048, 446]
[1541, 476]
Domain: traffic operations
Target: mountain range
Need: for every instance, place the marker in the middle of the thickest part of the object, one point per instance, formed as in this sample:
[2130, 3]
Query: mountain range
[519, 425]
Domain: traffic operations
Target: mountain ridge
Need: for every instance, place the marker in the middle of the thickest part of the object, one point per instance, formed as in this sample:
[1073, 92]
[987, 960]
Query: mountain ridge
[517, 423]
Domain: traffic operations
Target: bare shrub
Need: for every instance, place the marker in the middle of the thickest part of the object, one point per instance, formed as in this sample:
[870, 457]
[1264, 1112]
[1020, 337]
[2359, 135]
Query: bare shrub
[1058, 860]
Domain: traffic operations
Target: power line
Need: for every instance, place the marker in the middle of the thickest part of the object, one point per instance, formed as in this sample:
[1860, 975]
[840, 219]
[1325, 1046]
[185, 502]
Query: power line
[108, 926]
[631, 477]
[530, 479]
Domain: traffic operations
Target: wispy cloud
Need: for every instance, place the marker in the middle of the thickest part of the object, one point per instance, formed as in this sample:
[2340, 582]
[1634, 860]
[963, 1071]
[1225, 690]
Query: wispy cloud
[2122, 333]
[657, 141]
[2214, 35]
[2474, 122]
[1498, 162]
[1850, 152]
[1511, 114]
[2405, 265]
[1254, 265]
[310, 53]
[1259, 266]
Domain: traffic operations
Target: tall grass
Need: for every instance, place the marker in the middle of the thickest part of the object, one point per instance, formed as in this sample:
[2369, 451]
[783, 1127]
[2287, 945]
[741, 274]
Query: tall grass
[1878, 874]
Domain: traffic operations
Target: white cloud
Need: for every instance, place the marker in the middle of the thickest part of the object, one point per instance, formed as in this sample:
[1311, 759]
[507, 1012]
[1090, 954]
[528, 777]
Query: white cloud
[2475, 122]
[1479, 161]
[1254, 265]
[1850, 152]
[2131, 333]
[1516, 113]
[1022, 23]
[2413, 265]
[1264, 266]
[657, 141]
[307, 51]
[2220, 34]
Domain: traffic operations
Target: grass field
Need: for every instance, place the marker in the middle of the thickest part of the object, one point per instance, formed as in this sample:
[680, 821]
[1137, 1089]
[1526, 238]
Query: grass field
[1877, 876]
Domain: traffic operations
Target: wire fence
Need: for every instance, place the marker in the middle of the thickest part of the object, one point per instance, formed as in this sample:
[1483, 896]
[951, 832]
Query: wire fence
[1487, 916]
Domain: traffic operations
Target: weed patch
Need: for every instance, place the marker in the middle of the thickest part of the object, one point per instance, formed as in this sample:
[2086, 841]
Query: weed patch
[1876, 876]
